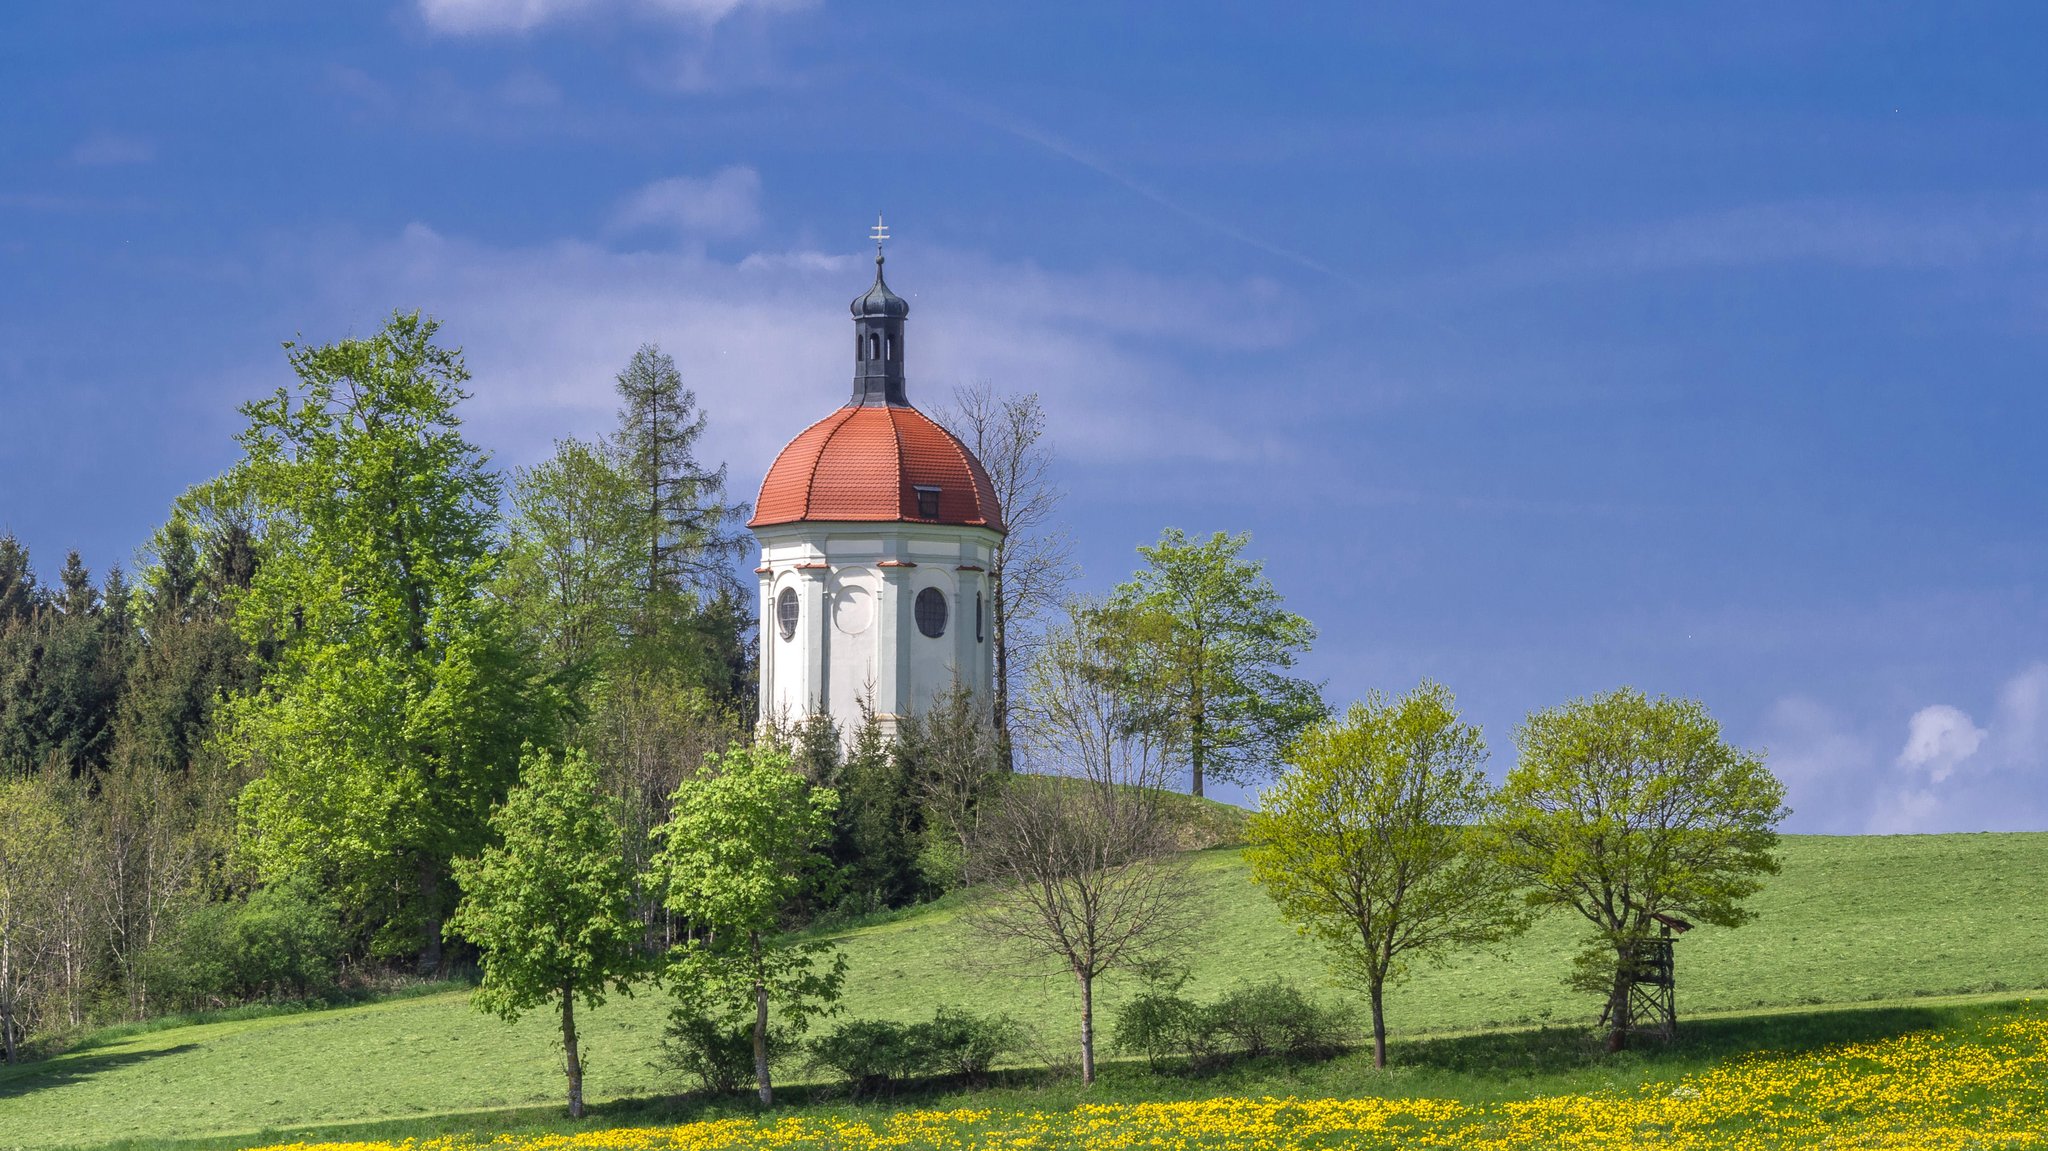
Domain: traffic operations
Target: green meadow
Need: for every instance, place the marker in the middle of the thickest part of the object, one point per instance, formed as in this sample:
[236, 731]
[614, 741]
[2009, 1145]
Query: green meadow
[1896, 927]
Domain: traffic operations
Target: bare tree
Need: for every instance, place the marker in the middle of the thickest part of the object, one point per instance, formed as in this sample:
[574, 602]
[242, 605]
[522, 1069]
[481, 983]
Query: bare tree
[645, 743]
[1034, 561]
[1083, 857]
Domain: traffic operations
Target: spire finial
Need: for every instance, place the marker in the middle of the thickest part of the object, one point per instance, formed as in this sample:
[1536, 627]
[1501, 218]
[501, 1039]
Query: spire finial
[880, 235]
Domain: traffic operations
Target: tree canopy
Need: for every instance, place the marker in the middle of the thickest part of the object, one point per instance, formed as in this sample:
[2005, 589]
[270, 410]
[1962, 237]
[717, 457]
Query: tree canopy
[551, 902]
[1368, 842]
[1621, 808]
[392, 716]
[1212, 643]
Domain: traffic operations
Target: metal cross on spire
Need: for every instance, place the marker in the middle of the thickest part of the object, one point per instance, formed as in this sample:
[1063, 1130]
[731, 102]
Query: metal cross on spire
[880, 235]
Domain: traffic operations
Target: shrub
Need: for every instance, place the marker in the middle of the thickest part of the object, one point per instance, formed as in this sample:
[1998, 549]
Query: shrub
[963, 1044]
[1275, 1018]
[284, 942]
[1161, 1024]
[716, 1049]
[1255, 1019]
[873, 1056]
[870, 1055]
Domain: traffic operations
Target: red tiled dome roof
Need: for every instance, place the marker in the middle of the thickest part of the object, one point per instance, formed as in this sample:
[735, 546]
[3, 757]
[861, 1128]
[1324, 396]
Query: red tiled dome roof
[864, 463]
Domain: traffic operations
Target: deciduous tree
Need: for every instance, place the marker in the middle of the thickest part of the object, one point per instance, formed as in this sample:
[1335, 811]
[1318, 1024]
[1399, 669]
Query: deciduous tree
[1033, 562]
[1081, 862]
[745, 834]
[391, 717]
[1621, 808]
[1211, 641]
[550, 903]
[1368, 842]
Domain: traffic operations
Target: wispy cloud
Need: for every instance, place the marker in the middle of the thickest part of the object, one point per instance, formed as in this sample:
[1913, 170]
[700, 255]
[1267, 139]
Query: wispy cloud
[109, 149]
[1032, 133]
[726, 203]
[472, 17]
[763, 337]
[1925, 236]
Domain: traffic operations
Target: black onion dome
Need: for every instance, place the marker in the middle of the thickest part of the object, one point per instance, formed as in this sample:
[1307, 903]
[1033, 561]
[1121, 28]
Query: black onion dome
[879, 301]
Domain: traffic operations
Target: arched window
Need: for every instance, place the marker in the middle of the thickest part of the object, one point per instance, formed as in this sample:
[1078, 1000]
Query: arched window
[874, 346]
[857, 347]
[785, 613]
[977, 617]
[888, 347]
[930, 611]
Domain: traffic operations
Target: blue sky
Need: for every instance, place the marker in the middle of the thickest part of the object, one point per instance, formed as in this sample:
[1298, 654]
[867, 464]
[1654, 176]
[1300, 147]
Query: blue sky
[1541, 348]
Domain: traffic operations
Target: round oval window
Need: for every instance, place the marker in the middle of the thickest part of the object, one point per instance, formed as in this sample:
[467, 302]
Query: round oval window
[785, 613]
[931, 612]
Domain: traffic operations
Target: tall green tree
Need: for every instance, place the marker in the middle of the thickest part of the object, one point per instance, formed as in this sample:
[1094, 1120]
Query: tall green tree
[1211, 640]
[550, 903]
[687, 534]
[19, 595]
[1369, 842]
[570, 567]
[1621, 808]
[745, 835]
[394, 708]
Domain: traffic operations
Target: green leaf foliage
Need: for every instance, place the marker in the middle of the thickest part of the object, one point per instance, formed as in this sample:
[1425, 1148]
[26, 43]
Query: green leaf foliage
[550, 904]
[1369, 841]
[392, 715]
[1623, 807]
[1210, 640]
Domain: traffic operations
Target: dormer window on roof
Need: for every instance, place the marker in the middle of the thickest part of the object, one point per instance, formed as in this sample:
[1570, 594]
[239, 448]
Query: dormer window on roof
[927, 502]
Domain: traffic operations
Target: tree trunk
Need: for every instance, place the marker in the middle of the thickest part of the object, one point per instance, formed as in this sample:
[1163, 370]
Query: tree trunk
[1088, 1029]
[1000, 632]
[761, 1026]
[6, 990]
[432, 957]
[1376, 993]
[1617, 1006]
[1195, 764]
[575, 1063]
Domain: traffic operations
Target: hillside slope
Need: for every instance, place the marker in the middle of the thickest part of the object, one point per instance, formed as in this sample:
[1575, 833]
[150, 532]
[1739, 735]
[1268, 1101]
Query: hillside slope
[1850, 919]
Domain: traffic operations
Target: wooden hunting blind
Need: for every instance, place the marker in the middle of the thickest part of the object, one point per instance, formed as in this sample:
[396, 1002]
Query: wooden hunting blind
[1646, 996]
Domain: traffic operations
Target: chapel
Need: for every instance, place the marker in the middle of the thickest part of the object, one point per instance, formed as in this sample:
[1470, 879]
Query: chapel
[877, 530]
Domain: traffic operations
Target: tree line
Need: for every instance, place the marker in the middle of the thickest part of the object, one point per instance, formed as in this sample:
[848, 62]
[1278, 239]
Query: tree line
[250, 771]
[371, 705]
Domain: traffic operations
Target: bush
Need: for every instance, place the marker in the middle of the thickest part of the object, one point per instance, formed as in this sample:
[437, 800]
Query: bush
[870, 1055]
[963, 1044]
[1256, 1019]
[284, 942]
[717, 1050]
[1160, 1024]
[873, 1056]
[1275, 1018]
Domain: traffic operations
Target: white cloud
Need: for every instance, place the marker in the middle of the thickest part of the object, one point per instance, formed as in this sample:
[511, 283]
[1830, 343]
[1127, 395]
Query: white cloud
[727, 203]
[2021, 728]
[1951, 773]
[764, 338]
[1938, 740]
[470, 17]
[107, 149]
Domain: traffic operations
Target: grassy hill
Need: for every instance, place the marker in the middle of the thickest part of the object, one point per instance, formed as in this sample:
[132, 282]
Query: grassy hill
[1852, 919]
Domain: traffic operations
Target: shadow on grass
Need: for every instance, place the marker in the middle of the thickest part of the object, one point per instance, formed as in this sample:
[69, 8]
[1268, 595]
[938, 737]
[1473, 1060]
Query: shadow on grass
[1552, 1050]
[1554, 1058]
[29, 1078]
